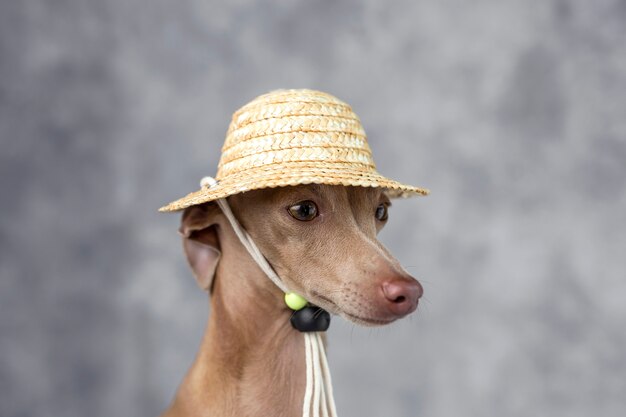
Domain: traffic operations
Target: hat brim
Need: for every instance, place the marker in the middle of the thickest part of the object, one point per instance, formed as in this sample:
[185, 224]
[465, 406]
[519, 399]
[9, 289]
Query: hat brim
[290, 174]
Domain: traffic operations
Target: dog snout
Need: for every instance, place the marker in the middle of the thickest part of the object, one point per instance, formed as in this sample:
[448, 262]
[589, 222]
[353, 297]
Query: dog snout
[401, 295]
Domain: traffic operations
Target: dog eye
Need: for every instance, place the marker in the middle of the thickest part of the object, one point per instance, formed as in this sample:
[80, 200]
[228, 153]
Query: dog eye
[382, 212]
[304, 211]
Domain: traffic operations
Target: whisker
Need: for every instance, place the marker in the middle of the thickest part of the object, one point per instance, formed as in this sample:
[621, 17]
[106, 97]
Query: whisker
[318, 312]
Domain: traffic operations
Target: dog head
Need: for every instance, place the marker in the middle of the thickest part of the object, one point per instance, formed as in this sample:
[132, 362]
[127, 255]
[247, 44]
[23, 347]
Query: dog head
[321, 240]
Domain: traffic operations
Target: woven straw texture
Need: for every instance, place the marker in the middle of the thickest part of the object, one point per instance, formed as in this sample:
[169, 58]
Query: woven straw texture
[292, 137]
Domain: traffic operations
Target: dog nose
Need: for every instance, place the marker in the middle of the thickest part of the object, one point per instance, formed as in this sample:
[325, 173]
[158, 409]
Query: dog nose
[402, 295]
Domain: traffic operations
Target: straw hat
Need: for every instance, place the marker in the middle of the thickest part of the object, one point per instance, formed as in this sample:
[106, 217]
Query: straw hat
[291, 137]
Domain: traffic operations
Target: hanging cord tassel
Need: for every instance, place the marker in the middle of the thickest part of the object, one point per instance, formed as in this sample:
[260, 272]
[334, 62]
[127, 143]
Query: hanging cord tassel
[329, 400]
[318, 394]
[319, 388]
[308, 391]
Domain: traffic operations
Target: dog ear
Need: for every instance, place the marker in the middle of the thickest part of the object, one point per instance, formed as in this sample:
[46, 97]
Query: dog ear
[201, 243]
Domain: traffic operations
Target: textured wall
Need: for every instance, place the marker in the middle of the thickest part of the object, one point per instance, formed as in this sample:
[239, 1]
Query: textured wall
[512, 112]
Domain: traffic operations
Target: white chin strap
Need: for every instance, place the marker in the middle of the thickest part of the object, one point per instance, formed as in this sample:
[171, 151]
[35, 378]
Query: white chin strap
[318, 395]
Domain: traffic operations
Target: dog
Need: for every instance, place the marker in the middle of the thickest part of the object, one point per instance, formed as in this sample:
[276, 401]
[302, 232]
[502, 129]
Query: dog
[318, 233]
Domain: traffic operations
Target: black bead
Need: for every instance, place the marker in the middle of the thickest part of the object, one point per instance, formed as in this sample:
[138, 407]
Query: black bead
[311, 319]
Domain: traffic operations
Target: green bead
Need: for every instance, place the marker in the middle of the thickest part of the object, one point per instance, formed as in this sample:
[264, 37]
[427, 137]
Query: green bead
[294, 301]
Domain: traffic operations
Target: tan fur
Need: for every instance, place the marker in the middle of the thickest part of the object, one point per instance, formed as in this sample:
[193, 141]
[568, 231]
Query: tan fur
[251, 361]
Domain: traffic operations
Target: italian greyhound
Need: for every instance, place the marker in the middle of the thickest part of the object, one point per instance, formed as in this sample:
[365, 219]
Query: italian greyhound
[321, 240]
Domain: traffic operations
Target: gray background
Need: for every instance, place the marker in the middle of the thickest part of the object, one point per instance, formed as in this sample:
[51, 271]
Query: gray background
[512, 112]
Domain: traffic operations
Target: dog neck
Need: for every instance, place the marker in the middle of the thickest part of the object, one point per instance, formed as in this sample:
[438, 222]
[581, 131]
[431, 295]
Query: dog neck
[251, 361]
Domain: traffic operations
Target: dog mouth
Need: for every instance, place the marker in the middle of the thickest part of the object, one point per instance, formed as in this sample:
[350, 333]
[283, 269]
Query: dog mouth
[366, 320]
[335, 309]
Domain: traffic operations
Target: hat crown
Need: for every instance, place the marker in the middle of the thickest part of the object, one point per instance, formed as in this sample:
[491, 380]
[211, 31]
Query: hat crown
[290, 138]
[286, 126]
